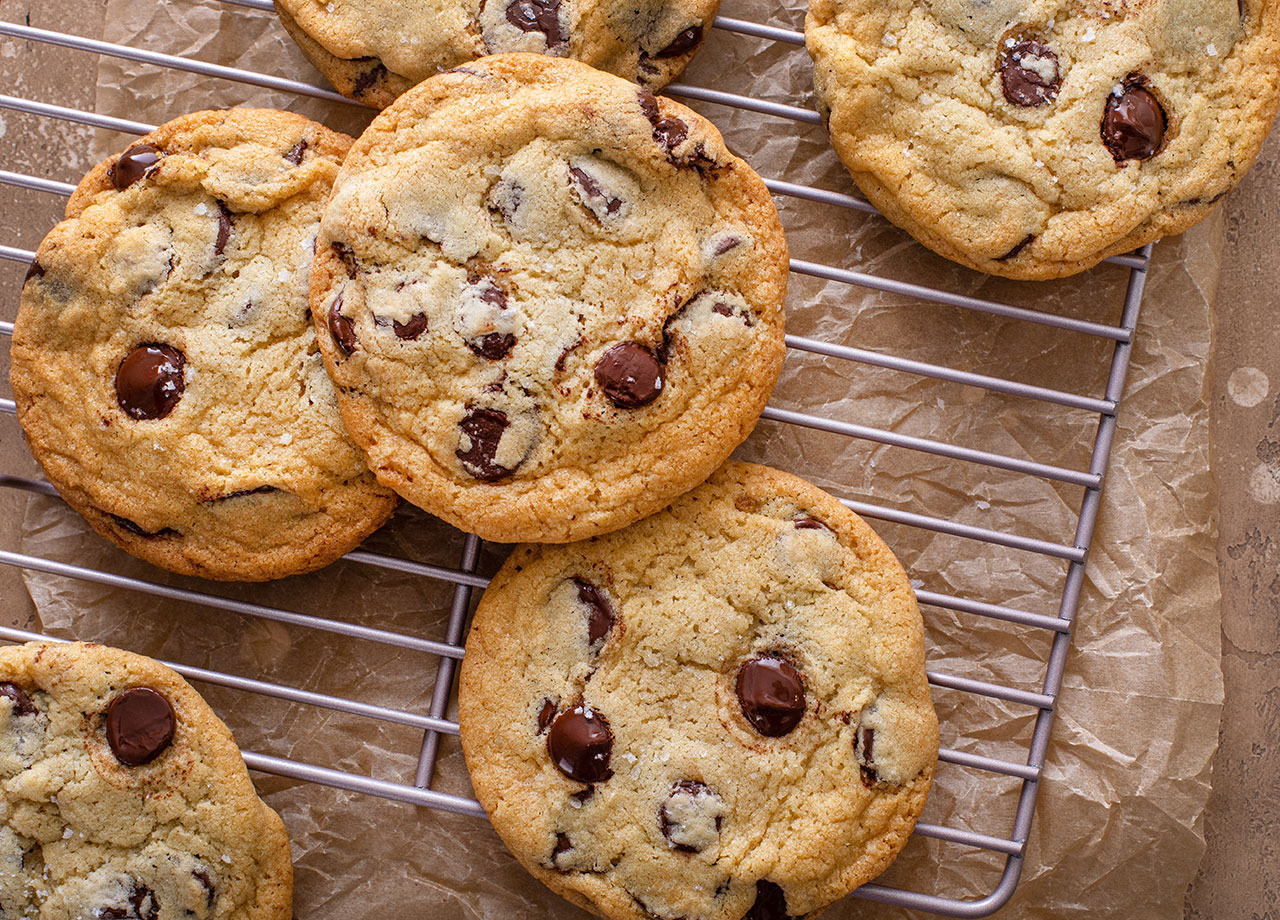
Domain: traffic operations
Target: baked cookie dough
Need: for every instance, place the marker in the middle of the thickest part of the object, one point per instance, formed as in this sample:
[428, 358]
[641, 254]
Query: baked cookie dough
[719, 712]
[374, 50]
[1033, 138]
[550, 301]
[125, 798]
[164, 362]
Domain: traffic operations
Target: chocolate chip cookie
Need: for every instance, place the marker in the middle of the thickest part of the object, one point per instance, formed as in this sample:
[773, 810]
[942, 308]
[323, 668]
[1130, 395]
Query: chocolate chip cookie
[374, 50]
[1033, 139]
[718, 712]
[124, 796]
[550, 301]
[164, 362]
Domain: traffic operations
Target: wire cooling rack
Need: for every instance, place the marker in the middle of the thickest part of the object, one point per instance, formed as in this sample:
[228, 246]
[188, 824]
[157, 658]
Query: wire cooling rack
[417, 789]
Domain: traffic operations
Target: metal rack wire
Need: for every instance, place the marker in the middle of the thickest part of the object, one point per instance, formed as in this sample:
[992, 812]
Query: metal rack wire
[417, 790]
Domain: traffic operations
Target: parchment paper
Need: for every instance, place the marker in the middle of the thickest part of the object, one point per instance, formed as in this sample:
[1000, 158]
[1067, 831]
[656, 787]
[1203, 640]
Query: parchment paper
[1117, 831]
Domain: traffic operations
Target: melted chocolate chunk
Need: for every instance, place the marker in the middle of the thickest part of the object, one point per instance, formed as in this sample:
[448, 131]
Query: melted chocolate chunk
[22, 705]
[545, 715]
[865, 748]
[483, 428]
[201, 876]
[224, 229]
[683, 43]
[668, 131]
[494, 346]
[133, 164]
[296, 152]
[369, 78]
[150, 381]
[1134, 122]
[630, 375]
[140, 724]
[771, 693]
[562, 846]
[600, 618]
[347, 256]
[584, 795]
[36, 270]
[342, 329]
[1026, 241]
[138, 531]
[591, 191]
[725, 309]
[729, 242]
[810, 524]
[580, 744]
[1029, 73]
[260, 490]
[771, 903]
[411, 328]
[538, 16]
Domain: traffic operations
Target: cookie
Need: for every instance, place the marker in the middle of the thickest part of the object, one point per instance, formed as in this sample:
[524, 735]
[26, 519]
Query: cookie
[719, 712]
[124, 796]
[374, 50]
[164, 362]
[550, 302]
[1033, 138]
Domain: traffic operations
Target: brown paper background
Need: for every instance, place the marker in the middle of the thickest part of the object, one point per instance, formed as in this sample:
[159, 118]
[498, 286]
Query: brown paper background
[1118, 822]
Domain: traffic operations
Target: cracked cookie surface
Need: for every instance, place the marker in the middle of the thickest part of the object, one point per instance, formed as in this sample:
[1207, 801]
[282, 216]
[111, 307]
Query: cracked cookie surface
[719, 712]
[374, 50]
[550, 302]
[164, 363]
[125, 797]
[1033, 138]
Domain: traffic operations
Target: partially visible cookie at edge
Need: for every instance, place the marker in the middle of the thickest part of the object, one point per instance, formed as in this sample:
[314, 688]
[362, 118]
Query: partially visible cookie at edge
[124, 796]
[550, 301]
[165, 368]
[1034, 138]
[721, 711]
[374, 50]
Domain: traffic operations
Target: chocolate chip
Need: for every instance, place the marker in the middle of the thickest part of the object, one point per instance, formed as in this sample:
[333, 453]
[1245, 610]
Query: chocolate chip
[771, 693]
[145, 905]
[582, 796]
[580, 743]
[138, 531]
[201, 876]
[688, 839]
[730, 310]
[36, 270]
[562, 846]
[810, 524]
[864, 749]
[538, 16]
[368, 78]
[347, 256]
[22, 705]
[545, 715]
[483, 429]
[630, 375]
[224, 229]
[1029, 73]
[771, 903]
[342, 329]
[260, 490]
[1026, 241]
[494, 346]
[1134, 122]
[150, 381]
[725, 244]
[670, 132]
[411, 328]
[592, 194]
[600, 618]
[648, 104]
[295, 153]
[133, 164]
[140, 724]
[683, 43]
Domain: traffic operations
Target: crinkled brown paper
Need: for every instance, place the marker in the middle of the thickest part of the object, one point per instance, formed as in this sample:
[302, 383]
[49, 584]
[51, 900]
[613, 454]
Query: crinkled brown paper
[1118, 827]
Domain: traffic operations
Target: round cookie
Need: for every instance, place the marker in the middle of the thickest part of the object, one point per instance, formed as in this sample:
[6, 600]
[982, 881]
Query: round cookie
[124, 796]
[550, 302]
[164, 362]
[1033, 138]
[374, 50]
[719, 712]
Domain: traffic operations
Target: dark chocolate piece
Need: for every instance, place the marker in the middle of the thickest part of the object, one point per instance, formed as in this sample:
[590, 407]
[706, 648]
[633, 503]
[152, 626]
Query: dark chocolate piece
[133, 164]
[683, 43]
[22, 705]
[150, 381]
[600, 618]
[538, 16]
[1029, 73]
[580, 744]
[630, 375]
[771, 693]
[140, 724]
[483, 428]
[342, 329]
[1134, 122]
[771, 903]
